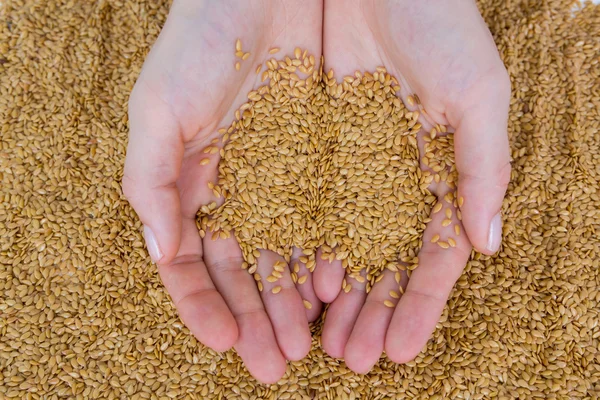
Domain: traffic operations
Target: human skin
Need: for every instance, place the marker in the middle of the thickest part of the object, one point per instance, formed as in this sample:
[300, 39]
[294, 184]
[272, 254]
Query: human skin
[188, 88]
[442, 51]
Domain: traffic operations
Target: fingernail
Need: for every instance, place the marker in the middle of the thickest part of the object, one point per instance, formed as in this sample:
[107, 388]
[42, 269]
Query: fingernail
[495, 233]
[152, 245]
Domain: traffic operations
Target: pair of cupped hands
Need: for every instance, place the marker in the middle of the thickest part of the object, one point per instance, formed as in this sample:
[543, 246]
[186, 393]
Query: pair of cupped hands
[189, 88]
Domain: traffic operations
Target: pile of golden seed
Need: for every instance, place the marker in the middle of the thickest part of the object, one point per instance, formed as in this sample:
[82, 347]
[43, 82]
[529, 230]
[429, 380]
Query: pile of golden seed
[312, 163]
[83, 314]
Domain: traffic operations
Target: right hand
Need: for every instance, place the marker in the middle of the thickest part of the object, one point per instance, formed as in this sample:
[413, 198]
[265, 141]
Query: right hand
[188, 88]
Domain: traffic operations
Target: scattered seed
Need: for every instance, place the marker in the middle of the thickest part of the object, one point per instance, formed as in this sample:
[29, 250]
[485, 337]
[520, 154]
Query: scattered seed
[448, 213]
[276, 289]
[389, 303]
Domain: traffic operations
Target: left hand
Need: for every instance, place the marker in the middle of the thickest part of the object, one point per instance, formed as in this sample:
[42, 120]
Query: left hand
[443, 52]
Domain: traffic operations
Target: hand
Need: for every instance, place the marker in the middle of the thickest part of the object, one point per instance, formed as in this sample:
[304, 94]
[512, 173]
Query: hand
[443, 52]
[188, 88]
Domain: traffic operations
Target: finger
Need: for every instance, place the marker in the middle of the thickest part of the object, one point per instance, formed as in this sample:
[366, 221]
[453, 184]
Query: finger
[304, 284]
[483, 160]
[284, 306]
[341, 316]
[327, 278]
[200, 306]
[367, 339]
[430, 284]
[152, 166]
[256, 344]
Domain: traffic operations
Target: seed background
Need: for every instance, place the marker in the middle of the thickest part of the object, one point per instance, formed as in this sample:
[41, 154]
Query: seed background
[83, 314]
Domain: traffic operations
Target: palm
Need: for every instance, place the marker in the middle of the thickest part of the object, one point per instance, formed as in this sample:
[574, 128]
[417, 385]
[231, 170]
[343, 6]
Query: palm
[190, 87]
[425, 50]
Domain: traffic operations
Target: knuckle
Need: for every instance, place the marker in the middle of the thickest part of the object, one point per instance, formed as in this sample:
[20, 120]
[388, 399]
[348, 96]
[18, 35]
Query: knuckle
[128, 186]
[504, 175]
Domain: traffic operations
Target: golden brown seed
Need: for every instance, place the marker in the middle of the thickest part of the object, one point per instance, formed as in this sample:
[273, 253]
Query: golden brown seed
[394, 294]
[302, 279]
[389, 303]
[238, 45]
[457, 230]
[307, 304]
[437, 208]
[448, 213]
[443, 245]
[451, 242]
[446, 222]
[237, 68]
[461, 201]
[435, 238]
[274, 50]
[204, 161]
[276, 289]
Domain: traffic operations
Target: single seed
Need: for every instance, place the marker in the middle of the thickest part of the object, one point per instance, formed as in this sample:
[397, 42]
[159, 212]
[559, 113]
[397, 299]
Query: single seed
[457, 230]
[435, 238]
[237, 68]
[204, 161]
[274, 50]
[443, 245]
[302, 279]
[448, 213]
[238, 45]
[461, 201]
[276, 289]
[389, 303]
[451, 242]
[437, 208]
[307, 304]
[394, 294]
[446, 222]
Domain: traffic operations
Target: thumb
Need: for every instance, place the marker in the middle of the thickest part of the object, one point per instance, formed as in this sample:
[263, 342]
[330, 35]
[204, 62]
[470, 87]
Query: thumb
[482, 156]
[152, 166]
